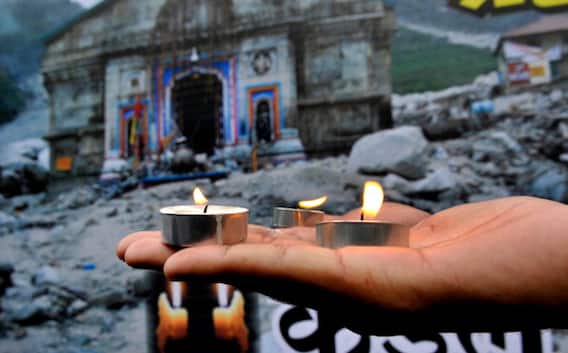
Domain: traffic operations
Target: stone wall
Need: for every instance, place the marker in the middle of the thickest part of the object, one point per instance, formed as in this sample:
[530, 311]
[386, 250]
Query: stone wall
[85, 147]
[344, 80]
[126, 78]
[76, 117]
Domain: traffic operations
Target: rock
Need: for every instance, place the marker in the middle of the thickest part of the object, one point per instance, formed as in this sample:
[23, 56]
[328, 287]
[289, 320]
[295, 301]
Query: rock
[502, 138]
[80, 350]
[29, 315]
[440, 153]
[8, 223]
[77, 198]
[444, 129]
[80, 340]
[394, 182]
[497, 146]
[489, 193]
[22, 178]
[140, 286]
[401, 151]
[38, 221]
[77, 307]
[23, 202]
[46, 275]
[113, 212]
[21, 292]
[439, 180]
[50, 306]
[549, 182]
[112, 299]
[556, 96]
[42, 308]
[20, 333]
[183, 161]
[23, 150]
[6, 270]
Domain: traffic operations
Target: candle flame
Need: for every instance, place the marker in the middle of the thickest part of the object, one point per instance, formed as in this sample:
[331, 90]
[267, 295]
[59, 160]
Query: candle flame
[313, 203]
[373, 197]
[176, 291]
[223, 294]
[198, 197]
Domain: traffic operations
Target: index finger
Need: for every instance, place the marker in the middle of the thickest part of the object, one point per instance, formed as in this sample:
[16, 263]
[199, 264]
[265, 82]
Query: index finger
[132, 238]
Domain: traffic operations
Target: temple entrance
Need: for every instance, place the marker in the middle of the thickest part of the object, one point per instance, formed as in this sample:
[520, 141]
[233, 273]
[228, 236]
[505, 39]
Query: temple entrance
[263, 121]
[198, 107]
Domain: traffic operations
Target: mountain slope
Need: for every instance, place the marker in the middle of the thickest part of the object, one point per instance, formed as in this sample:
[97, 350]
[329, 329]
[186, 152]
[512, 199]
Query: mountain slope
[23, 24]
[436, 13]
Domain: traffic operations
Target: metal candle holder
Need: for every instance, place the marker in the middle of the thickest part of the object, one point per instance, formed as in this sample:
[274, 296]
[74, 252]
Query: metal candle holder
[184, 226]
[337, 234]
[292, 217]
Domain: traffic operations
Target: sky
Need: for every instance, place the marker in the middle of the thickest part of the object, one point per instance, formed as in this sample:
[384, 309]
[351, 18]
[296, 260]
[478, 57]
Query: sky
[86, 3]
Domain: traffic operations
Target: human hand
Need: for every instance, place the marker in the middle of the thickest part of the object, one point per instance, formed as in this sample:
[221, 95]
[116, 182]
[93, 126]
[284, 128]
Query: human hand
[497, 264]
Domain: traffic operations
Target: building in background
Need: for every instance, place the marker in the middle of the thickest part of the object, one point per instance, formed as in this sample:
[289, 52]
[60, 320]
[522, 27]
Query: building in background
[536, 53]
[129, 76]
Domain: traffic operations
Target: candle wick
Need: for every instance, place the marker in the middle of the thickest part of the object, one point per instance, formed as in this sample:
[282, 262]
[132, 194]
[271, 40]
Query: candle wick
[362, 216]
[205, 208]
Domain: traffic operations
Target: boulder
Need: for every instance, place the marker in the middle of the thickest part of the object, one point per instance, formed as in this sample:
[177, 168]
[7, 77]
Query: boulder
[439, 180]
[20, 170]
[401, 151]
[46, 275]
[495, 146]
[435, 182]
[445, 129]
[549, 182]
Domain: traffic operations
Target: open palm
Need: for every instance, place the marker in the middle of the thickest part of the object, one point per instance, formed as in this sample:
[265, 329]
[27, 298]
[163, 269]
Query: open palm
[499, 264]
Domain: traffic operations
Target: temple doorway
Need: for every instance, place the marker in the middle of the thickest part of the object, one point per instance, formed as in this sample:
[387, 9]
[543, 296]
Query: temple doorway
[198, 106]
[263, 121]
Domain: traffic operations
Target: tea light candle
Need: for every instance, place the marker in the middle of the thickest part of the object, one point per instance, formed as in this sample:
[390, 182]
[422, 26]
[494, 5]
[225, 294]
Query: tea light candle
[337, 234]
[189, 225]
[304, 216]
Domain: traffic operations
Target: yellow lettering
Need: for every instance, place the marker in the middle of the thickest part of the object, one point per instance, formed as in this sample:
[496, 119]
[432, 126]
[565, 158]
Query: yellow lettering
[481, 6]
[550, 3]
[472, 4]
[499, 4]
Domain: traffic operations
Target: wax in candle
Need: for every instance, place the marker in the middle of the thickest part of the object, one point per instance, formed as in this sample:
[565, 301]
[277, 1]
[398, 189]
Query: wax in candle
[199, 210]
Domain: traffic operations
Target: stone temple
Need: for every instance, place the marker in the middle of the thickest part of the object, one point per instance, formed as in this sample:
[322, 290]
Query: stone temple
[128, 77]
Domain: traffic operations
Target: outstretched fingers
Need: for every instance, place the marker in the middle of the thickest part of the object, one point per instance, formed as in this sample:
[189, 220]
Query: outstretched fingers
[132, 238]
[386, 277]
[149, 253]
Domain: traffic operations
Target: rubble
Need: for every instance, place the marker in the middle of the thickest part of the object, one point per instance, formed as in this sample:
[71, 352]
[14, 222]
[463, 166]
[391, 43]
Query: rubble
[286, 186]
